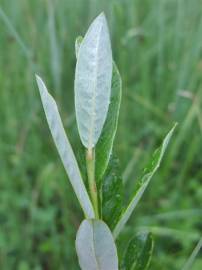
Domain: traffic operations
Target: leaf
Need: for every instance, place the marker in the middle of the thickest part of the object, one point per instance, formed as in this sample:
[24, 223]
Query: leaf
[139, 252]
[93, 81]
[64, 148]
[105, 143]
[95, 246]
[112, 194]
[78, 41]
[143, 182]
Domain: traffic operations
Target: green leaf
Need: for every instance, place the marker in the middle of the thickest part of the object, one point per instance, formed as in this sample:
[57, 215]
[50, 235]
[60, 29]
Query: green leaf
[93, 77]
[139, 252]
[95, 246]
[112, 194]
[143, 182]
[104, 146]
[64, 148]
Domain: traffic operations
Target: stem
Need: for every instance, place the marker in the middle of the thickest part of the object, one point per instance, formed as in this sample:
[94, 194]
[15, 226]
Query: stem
[90, 164]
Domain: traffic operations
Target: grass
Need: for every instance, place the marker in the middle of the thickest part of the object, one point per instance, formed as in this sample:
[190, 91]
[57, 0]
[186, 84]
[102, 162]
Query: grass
[157, 47]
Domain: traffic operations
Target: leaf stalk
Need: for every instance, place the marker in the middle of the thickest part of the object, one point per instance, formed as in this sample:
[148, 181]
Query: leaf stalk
[90, 164]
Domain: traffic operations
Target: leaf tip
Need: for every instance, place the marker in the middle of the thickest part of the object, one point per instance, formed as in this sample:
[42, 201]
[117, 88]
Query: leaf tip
[101, 18]
[41, 85]
[173, 129]
[102, 15]
[38, 79]
[175, 125]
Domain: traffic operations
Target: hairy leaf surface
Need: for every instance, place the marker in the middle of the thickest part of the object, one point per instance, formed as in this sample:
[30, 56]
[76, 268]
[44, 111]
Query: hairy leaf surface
[105, 143]
[143, 182]
[95, 246]
[64, 148]
[93, 81]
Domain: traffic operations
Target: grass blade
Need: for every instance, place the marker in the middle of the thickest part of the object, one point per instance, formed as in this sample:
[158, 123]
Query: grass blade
[17, 37]
[193, 256]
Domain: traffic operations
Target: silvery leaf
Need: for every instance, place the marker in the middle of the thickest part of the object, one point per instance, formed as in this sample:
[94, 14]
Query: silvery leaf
[95, 246]
[93, 81]
[104, 145]
[64, 148]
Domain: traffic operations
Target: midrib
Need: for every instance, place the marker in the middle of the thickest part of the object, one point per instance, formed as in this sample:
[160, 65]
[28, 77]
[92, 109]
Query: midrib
[97, 263]
[92, 125]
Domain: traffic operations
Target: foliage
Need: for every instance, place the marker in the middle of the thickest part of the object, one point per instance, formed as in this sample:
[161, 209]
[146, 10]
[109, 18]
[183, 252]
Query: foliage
[139, 251]
[95, 243]
[160, 86]
[95, 246]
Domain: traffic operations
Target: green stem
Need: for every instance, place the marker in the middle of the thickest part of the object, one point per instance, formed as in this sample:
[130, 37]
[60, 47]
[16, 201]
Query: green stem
[90, 164]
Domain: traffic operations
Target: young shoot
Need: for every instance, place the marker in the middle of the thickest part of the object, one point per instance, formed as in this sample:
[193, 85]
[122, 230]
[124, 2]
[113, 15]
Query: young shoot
[97, 91]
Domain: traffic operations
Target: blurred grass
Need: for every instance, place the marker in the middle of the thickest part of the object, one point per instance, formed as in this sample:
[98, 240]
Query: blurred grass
[158, 48]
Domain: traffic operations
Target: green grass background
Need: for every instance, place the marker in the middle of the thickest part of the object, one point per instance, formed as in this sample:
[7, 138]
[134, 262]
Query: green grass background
[157, 45]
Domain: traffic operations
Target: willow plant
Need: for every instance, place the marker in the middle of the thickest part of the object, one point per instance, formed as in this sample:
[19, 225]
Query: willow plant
[97, 101]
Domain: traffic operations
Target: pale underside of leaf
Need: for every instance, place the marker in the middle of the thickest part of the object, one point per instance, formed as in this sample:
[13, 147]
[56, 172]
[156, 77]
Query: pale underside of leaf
[95, 246]
[64, 148]
[158, 155]
[105, 143]
[93, 81]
